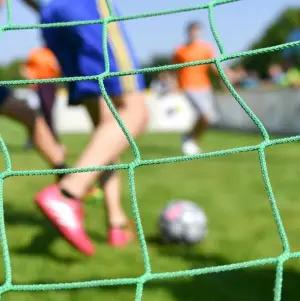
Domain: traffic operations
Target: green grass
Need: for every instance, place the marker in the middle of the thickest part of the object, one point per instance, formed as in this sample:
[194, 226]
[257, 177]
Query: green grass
[229, 189]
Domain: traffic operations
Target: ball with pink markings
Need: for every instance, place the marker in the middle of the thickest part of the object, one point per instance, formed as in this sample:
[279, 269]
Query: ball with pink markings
[182, 221]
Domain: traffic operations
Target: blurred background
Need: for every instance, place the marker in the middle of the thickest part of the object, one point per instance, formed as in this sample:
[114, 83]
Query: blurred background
[241, 26]
[229, 189]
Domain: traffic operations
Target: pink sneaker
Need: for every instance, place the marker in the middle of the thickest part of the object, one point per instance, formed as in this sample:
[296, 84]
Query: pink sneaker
[67, 215]
[120, 237]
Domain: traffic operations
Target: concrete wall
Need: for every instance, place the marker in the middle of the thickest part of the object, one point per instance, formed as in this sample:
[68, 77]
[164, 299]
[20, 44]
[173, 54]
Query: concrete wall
[279, 110]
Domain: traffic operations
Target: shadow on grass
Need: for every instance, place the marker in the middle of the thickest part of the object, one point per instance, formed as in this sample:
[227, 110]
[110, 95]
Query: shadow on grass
[249, 284]
[41, 243]
[239, 285]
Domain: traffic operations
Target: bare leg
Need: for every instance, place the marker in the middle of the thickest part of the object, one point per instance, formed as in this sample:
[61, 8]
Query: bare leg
[111, 184]
[37, 128]
[189, 145]
[47, 94]
[110, 181]
[199, 127]
[47, 144]
[108, 142]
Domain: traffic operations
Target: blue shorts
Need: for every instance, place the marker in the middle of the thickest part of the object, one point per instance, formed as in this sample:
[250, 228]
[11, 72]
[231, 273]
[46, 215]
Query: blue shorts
[4, 93]
[80, 52]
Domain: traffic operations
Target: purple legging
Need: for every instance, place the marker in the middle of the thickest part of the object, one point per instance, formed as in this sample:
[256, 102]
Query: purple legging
[47, 95]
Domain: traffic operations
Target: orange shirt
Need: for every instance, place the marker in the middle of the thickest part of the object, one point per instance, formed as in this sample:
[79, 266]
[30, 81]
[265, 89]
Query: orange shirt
[41, 64]
[195, 77]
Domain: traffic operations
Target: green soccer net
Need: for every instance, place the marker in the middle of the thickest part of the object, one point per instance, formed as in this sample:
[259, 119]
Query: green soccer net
[137, 162]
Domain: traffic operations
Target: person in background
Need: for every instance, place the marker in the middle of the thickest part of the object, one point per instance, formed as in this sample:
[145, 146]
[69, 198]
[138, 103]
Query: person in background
[239, 75]
[292, 74]
[17, 109]
[252, 80]
[42, 64]
[291, 57]
[196, 84]
[246, 79]
[277, 75]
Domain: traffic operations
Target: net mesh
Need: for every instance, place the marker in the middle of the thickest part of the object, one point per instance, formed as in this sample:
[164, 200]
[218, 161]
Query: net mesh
[137, 162]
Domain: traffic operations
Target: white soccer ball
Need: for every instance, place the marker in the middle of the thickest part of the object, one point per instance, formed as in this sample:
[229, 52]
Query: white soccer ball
[182, 222]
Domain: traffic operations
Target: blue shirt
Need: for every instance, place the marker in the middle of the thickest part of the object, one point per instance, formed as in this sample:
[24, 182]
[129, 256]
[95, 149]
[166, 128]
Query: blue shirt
[250, 83]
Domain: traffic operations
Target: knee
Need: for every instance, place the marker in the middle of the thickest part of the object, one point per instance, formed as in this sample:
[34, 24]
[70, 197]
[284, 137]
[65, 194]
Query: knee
[141, 112]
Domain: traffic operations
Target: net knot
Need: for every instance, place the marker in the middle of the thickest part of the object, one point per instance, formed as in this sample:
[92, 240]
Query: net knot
[146, 277]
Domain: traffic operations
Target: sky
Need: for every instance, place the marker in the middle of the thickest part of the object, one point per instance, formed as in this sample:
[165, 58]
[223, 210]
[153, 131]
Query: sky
[238, 24]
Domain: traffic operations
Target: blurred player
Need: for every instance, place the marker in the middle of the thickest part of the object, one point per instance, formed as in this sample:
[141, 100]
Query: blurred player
[18, 110]
[37, 128]
[196, 84]
[79, 51]
[42, 64]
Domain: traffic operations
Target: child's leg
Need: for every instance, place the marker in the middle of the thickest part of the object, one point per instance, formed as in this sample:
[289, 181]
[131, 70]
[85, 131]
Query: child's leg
[120, 229]
[80, 54]
[47, 97]
[108, 142]
[47, 94]
[109, 180]
[111, 185]
[37, 128]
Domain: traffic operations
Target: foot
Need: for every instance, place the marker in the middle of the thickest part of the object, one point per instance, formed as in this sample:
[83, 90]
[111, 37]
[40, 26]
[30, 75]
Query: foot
[121, 236]
[189, 147]
[67, 215]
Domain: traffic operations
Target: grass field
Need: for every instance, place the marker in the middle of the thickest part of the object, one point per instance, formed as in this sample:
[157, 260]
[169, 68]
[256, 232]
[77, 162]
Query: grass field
[229, 189]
